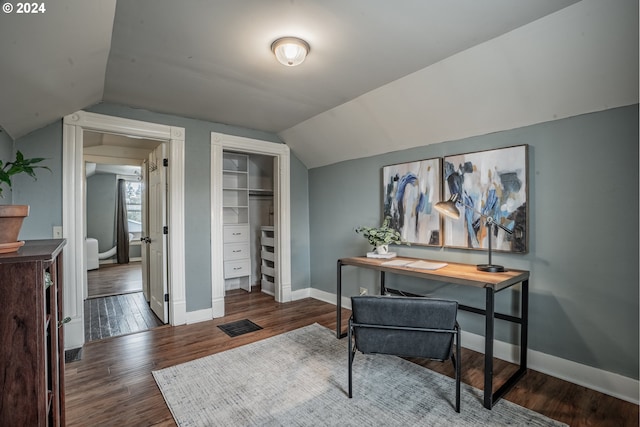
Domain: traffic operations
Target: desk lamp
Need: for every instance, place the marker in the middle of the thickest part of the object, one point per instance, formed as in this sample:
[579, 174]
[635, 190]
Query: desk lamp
[450, 209]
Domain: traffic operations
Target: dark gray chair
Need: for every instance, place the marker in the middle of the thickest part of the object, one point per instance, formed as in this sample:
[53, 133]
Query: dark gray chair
[406, 327]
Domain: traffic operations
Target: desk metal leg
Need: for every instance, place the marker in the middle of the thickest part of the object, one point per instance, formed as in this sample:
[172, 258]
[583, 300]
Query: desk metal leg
[488, 346]
[383, 289]
[524, 327]
[339, 301]
[491, 398]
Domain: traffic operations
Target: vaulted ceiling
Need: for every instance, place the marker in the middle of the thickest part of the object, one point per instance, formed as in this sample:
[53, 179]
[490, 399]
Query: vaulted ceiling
[211, 60]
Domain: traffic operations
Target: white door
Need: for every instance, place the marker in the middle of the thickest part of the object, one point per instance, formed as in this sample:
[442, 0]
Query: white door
[157, 241]
[144, 248]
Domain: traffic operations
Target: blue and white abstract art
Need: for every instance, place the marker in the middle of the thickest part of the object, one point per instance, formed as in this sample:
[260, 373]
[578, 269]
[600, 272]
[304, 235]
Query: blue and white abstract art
[493, 183]
[409, 192]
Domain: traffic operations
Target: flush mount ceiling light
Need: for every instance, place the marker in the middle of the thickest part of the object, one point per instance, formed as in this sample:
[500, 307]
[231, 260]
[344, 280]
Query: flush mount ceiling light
[290, 51]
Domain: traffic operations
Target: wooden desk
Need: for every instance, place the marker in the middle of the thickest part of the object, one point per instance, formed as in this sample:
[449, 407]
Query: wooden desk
[467, 275]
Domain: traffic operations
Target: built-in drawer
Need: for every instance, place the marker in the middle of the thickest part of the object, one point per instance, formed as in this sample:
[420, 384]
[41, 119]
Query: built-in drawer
[236, 251]
[237, 268]
[236, 233]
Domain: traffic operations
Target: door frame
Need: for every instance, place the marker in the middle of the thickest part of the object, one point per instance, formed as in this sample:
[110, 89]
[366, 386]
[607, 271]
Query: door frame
[73, 220]
[282, 214]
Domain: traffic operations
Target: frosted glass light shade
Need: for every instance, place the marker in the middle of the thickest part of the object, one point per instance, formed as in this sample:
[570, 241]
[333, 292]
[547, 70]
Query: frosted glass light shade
[290, 51]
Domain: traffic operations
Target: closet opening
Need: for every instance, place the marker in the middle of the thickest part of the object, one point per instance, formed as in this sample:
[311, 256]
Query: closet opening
[250, 189]
[248, 222]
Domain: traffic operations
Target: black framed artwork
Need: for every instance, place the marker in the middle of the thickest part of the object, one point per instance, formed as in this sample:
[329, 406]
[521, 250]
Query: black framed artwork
[488, 183]
[410, 190]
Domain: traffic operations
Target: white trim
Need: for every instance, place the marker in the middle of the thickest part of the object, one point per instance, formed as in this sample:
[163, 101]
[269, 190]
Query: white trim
[282, 214]
[610, 383]
[199, 316]
[302, 294]
[73, 256]
[175, 210]
[217, 250]
[73, 217]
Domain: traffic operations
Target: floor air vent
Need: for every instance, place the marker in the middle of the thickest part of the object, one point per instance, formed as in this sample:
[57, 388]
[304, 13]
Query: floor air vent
[239, 327]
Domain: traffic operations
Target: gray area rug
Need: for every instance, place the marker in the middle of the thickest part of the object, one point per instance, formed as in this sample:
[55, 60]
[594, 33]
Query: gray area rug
[300, 379]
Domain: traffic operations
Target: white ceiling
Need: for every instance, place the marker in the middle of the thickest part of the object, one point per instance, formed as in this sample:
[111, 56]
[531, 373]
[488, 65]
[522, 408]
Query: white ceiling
[212, 60]
[106, 153]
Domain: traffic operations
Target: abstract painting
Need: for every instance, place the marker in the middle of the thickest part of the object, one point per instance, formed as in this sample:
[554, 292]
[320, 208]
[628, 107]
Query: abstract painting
[488, 183]
[409, 192]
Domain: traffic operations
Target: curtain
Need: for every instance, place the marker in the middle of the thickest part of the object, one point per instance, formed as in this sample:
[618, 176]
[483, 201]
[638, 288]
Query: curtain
[122, 225]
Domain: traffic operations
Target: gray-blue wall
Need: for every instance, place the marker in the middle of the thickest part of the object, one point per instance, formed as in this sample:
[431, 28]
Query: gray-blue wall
[583, 253]
[101, 209]
[583, 256]
[45, 198]
[6, 155]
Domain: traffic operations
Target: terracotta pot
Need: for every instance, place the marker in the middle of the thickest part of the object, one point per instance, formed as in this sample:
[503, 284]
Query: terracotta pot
[11, 217]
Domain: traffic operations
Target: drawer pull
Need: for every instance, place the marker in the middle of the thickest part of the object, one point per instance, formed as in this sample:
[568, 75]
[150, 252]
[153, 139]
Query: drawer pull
[237, 268]
[236, 234]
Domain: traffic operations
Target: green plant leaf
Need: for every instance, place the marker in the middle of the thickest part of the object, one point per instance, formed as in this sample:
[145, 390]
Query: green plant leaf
[20, 165]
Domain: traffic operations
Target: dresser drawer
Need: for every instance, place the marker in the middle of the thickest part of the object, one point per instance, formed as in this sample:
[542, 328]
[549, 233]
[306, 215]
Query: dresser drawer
[236, 233]
[236, 251]
[237, 268]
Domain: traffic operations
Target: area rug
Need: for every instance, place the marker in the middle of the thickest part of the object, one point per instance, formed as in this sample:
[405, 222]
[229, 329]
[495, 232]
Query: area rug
[300, 379]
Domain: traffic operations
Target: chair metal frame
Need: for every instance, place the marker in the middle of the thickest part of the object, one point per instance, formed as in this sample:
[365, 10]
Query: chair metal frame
[455, 359]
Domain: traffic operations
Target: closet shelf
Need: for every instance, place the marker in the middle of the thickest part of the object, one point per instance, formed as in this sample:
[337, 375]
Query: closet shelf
[260, 192]
[267, 254]
[235, 203]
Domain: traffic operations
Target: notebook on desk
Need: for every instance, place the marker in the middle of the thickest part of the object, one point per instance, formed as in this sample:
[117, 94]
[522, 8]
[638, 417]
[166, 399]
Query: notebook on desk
[425, 265]
[397, 263]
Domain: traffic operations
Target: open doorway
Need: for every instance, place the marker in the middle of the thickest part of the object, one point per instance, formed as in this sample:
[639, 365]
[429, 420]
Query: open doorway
[73, 216]
[116, 228]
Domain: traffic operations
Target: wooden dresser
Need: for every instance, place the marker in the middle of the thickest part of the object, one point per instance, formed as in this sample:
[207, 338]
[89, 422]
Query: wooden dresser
[31, 336]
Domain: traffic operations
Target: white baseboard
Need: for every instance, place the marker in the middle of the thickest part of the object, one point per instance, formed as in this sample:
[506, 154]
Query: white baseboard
[178, 312]
[610, 383]
[74, 333]
[115, 261]
[199, 316]
[301, 294]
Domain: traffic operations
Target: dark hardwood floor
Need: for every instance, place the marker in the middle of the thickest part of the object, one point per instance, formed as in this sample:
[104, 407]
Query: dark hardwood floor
[114, 279]
[115, 315]
[116, 304]
[112, 385]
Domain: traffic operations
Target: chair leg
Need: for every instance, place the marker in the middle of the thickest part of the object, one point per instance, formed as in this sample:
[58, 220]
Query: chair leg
[458, 370]
[351, 354]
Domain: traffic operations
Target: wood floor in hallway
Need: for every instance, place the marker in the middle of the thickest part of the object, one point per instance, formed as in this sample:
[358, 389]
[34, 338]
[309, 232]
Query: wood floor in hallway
[116, 305]
[114, 279]
[113, 386]
[114, 315]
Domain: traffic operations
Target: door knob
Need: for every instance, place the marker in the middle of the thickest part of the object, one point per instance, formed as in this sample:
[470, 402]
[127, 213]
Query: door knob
[145, 239]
